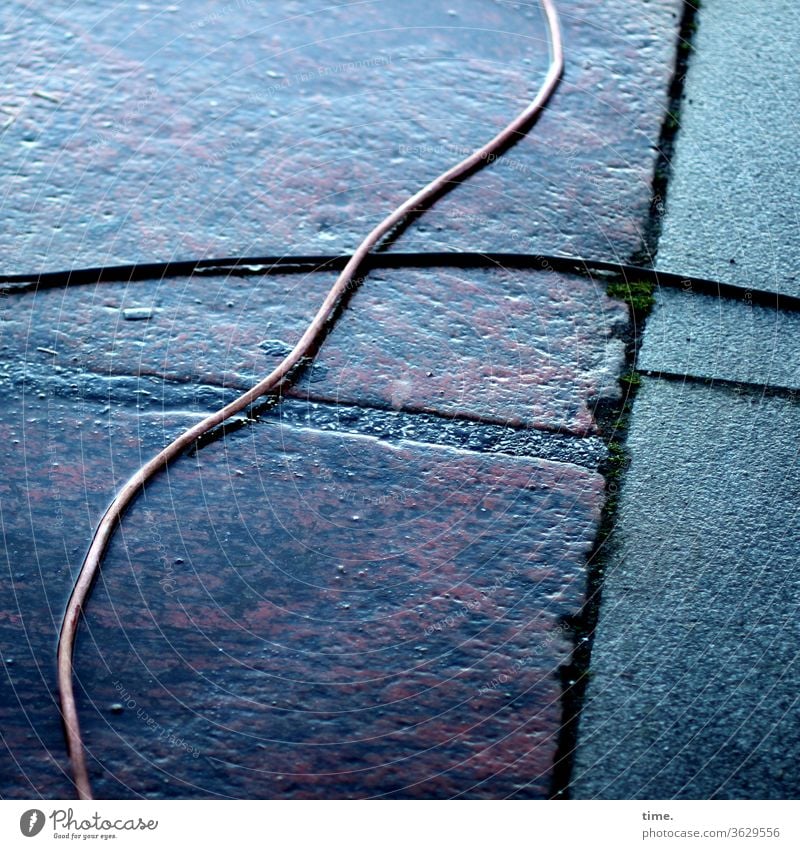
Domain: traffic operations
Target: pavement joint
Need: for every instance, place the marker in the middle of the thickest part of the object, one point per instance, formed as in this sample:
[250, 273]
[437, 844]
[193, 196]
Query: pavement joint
[646, 54]
[694, 664]
[255, 266]
[542, 347]
[765, 390]
[669, 132]
[455, 432]
[153, 393]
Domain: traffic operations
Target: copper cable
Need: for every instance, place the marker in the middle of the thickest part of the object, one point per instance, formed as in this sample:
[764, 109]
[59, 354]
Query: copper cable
[308, 342]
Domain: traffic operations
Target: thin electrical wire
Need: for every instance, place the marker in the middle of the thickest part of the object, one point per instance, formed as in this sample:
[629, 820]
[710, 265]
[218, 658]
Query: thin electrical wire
[308, 341]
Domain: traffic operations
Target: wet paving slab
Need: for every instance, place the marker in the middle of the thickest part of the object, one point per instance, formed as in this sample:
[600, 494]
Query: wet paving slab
[448, 680]
[364, 592]
[141, 132]
[289, 612]
[509, 347]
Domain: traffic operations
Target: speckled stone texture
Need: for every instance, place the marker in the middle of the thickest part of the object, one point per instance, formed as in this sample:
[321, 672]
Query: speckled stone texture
[695, 667]
[704, 336]
[136, 131]
[732, 204]
[694, 691]
[512, 347]
[289, 613]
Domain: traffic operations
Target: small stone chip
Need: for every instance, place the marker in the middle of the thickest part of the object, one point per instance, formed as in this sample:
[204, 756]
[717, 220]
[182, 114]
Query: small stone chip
[137, 313]
[275, 347]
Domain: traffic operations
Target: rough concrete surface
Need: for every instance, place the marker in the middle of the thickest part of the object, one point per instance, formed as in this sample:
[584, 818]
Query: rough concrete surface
[723, 339]
[695, 671]
[696, 666]
[732, 203]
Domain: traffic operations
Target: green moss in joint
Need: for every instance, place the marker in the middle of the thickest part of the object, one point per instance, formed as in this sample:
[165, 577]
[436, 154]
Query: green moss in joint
[631, 379]
[638, 294]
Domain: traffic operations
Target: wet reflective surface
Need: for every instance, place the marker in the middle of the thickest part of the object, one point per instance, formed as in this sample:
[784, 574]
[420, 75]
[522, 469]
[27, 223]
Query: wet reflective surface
[364, 592]
[531, 348]
[145, 132]
[293, 612]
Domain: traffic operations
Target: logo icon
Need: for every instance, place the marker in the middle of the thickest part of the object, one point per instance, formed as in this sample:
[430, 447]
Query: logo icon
[31, 822]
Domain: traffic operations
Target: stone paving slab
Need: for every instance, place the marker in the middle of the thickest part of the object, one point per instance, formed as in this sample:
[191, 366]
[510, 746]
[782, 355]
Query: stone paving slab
[61, 463]
[137, 132]
[289, 613]
[695, 666]
[704, 336]
[511, 347]
[732, 204]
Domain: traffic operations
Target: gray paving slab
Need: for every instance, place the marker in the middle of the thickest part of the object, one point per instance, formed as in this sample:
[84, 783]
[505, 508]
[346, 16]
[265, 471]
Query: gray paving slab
[720, 338]
[695, 682]
[694, 672]
[732, 205]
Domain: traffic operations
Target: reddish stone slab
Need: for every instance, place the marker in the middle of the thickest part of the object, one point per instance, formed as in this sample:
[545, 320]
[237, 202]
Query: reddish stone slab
[520, 347]
[138, 132]
[61, 461]
[289, 613]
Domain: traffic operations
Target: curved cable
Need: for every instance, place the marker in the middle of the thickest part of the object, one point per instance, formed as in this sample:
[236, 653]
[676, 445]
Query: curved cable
[308, 341]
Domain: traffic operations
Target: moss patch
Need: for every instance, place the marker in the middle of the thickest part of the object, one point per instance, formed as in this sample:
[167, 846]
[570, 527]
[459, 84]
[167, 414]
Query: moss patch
[637, 294]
